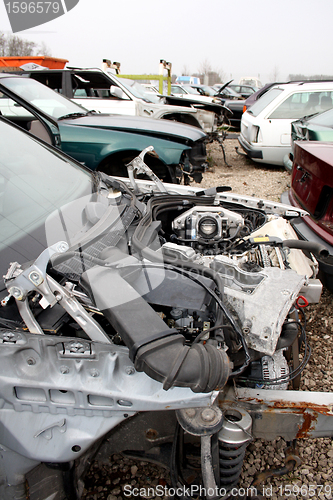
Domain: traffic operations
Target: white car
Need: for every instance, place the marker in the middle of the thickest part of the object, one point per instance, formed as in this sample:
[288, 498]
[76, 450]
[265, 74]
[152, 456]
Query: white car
[188, 92]
[265, 127]
[250, 80]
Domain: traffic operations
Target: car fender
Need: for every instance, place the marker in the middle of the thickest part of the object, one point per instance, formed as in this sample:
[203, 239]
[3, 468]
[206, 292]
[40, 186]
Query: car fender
[97, 144]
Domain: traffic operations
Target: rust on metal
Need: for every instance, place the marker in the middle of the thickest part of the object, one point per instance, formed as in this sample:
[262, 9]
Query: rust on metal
[151, 434]
[309, 412]
[290, 405]
[310, 420]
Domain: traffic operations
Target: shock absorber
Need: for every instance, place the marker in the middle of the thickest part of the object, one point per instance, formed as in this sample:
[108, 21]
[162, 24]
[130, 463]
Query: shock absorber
[233, 438]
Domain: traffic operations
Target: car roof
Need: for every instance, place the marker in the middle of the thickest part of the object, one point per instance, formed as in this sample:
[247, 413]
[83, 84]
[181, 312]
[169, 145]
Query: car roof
[306, 84]
[7, 74]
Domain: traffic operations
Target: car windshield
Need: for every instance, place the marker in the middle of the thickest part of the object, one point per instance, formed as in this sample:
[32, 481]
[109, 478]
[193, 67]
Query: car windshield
[264, 100]
[230, 91]
[190, 90]
[207, 90]
[325, 119]
[137, 90]
[35, 181]
[42, 97]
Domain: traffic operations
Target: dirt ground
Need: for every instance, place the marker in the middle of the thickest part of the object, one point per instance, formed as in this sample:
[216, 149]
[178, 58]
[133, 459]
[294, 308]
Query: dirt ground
[243, 175]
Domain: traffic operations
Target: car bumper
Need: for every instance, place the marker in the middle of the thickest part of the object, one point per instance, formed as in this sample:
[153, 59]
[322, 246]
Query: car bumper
[249, 150]
[304, 232]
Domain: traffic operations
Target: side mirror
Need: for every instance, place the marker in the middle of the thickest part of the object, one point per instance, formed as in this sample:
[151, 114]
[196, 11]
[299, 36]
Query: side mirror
[117, 92]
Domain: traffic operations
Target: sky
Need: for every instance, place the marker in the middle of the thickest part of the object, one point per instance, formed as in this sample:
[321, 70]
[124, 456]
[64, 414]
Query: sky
[269, 39]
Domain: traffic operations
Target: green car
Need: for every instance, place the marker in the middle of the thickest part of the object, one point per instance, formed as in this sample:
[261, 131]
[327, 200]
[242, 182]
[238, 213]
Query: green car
[101, 141]
[317, 127]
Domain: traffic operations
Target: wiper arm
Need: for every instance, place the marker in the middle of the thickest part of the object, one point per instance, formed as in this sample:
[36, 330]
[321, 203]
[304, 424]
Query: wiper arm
[309, 116]
[73, 115]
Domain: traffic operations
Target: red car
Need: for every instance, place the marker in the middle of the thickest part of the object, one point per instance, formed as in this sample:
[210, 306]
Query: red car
[312, 190]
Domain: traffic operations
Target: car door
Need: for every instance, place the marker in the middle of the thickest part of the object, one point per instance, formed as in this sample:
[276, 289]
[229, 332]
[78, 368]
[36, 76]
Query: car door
[23, 115]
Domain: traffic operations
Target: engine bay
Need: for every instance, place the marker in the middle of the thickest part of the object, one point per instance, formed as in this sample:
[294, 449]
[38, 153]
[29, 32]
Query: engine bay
[146, 299]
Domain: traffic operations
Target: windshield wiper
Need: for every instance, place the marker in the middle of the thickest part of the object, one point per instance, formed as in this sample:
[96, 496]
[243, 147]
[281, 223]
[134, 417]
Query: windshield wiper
[73, 115]
[309, 116]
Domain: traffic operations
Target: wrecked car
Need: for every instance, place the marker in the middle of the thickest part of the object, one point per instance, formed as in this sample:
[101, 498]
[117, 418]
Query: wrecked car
[312, 189]
[265, 126]
[233, 101]
[143, 317]
[244, 90]
[101, 141]
[316, 127]
[105, 92]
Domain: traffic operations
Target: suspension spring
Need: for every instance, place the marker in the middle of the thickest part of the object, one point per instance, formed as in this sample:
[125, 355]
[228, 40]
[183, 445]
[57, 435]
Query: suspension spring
[231, 463]
[233, 438]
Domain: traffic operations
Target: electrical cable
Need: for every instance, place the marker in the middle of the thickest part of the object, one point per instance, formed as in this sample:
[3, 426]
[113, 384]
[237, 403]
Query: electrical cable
[208, 330]
[222, 307]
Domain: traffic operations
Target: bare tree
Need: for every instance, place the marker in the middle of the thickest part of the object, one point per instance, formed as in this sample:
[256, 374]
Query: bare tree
[43, 50]
[16, 46]
[2, 44]
[185, 71]
[12, 45]
[210, 75]
[205, 67]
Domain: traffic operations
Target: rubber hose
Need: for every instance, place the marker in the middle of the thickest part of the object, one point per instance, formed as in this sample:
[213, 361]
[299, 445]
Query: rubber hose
[157, 350]
[310, 246]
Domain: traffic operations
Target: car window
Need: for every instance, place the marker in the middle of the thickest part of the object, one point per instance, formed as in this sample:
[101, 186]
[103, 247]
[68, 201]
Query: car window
[264, 100]
[35, 181]
[323, 119]
[177, 90]
[13, 111]
[52, 80]
[301, 104]
[42, 97]
[190, 90]
[88, 85]
[205, 90]
[81, 93]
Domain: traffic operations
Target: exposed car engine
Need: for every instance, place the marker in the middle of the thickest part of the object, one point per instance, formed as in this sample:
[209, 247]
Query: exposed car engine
[153, 299]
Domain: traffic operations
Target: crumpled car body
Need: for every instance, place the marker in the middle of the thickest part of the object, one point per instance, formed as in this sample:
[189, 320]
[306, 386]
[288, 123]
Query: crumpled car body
[316, 127]
[145, 318]
[101, 141]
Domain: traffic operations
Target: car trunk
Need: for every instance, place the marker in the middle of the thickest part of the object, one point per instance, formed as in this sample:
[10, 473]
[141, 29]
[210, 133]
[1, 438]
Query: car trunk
[312, 185]
[312, 189]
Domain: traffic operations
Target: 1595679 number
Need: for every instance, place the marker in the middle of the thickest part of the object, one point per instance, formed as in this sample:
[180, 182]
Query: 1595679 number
[32, 7]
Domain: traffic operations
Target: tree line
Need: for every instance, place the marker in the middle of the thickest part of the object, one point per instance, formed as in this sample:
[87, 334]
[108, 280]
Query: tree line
[298, 77]
[12, 45]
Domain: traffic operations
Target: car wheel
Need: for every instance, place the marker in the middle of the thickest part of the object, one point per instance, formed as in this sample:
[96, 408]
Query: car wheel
[116, 165]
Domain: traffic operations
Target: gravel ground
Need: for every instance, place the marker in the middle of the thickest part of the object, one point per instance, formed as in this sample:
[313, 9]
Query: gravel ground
[107, 482]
